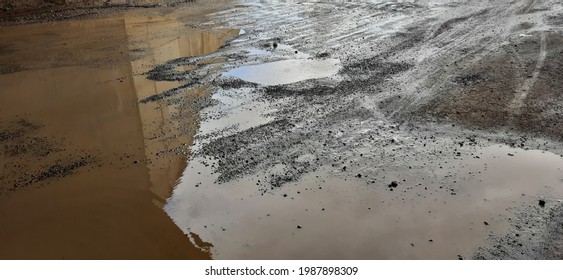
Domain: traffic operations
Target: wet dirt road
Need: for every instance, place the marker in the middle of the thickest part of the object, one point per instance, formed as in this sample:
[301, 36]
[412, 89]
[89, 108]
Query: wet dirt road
[320, 129]
[302, 169]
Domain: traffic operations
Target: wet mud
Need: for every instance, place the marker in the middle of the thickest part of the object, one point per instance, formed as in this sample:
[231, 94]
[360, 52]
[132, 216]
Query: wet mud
[313, 130]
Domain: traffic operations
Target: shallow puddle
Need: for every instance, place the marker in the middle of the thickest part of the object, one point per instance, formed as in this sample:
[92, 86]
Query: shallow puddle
[235, 111]
[286, 71]
[323, 216]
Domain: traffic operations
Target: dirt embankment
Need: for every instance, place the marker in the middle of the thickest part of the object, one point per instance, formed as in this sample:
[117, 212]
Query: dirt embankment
[15, 5]
[30, 11]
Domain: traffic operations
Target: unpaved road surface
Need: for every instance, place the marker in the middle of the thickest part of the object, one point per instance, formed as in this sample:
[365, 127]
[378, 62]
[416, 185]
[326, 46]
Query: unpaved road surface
[342, 130]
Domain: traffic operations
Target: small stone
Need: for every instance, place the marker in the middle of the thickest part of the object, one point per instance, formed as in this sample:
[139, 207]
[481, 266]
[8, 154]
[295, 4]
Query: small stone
[510, 154]
[136, 162]
[486, 223]
[298, 226]
[393, 184]
[542, 203]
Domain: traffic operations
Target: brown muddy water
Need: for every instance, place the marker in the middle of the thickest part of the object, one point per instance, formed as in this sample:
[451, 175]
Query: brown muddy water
[85, 168]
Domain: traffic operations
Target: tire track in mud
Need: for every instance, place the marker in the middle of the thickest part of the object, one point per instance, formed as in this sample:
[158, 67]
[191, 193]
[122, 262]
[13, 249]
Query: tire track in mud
[527, 8]
[321, 26]
[522, 93]
[299, 26]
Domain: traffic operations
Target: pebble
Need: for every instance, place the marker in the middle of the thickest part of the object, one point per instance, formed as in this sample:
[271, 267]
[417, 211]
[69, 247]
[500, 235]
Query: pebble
[542, 203]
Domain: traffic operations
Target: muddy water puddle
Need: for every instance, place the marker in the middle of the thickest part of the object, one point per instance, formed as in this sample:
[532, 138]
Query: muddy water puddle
[85, 168]
[286, 71]
[235, 111]
[327, 216]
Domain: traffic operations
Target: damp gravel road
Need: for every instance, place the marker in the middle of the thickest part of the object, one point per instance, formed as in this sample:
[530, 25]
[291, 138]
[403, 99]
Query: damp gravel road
[373, 129]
